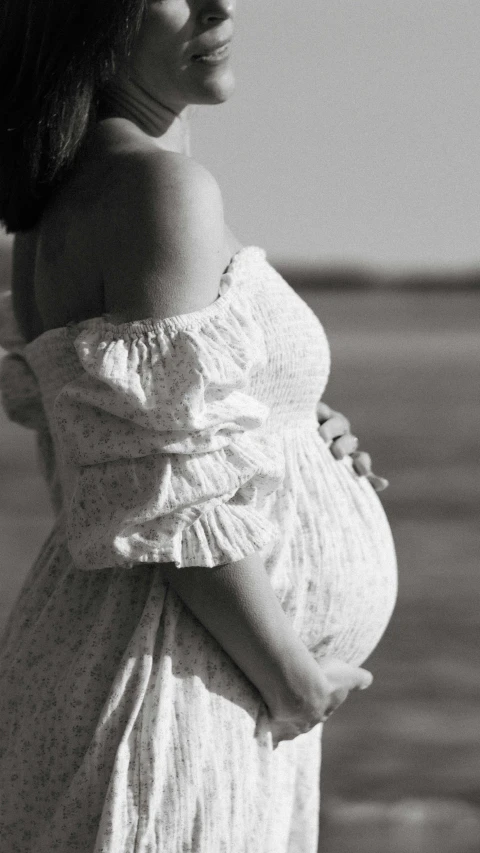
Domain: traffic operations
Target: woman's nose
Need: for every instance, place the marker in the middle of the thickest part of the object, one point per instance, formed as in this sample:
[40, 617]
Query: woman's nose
[217, 10]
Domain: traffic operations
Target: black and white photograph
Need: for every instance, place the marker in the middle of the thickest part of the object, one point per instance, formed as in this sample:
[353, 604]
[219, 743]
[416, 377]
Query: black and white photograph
[239, 426]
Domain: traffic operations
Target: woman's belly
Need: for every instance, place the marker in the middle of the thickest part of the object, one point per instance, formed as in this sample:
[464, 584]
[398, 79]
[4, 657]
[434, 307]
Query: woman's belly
[334, 565]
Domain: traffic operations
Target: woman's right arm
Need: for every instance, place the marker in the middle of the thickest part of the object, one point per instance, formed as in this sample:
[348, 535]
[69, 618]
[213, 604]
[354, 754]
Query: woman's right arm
[237, 604]
[161, 251]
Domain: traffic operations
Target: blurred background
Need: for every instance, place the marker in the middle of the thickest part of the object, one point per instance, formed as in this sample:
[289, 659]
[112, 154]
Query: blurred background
[350, 153]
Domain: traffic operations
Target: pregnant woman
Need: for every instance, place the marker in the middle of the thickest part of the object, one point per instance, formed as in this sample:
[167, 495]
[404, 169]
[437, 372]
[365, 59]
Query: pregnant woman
[217, 572]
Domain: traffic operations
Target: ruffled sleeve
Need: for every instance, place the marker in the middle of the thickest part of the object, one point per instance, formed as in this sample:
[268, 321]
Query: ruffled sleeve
[166, 444]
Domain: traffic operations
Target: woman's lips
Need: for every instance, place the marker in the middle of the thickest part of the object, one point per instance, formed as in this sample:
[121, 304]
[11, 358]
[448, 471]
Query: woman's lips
[211, 57]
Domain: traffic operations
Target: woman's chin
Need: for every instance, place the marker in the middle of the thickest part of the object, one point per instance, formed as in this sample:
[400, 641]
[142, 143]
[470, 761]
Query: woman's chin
[214, 88]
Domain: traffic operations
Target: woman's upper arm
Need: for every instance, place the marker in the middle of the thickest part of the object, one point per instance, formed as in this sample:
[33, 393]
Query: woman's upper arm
[161, 236]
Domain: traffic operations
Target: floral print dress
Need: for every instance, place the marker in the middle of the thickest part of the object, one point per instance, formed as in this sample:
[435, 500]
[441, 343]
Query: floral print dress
[124, 726]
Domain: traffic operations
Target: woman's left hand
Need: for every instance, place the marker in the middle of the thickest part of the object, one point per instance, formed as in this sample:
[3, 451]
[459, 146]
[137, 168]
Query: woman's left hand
[335, 430]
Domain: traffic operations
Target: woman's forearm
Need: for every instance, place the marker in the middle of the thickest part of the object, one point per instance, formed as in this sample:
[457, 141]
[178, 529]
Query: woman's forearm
[237, 604]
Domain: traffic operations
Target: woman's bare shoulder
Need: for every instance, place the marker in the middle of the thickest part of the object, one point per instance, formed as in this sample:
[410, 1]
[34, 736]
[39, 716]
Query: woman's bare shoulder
[128, 162]
[134, 232]
[160, 234]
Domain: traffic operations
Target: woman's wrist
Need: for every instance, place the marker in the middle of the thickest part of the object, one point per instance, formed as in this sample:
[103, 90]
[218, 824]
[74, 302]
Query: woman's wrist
[297, 683]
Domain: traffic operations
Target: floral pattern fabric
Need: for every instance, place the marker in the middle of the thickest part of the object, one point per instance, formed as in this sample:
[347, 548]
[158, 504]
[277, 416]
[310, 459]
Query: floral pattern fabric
[124, 726]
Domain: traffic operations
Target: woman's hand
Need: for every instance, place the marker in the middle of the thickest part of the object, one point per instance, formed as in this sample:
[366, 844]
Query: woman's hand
[325, 689]
[335, 430]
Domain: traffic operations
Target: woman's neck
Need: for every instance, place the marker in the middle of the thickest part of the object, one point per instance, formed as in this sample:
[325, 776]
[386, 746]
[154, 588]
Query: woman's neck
[125, 98]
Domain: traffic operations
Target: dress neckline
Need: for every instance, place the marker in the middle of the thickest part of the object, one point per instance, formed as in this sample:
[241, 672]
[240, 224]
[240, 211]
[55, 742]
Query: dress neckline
[230, 281]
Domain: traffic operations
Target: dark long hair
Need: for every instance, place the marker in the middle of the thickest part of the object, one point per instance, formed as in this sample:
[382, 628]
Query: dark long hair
[55, 58]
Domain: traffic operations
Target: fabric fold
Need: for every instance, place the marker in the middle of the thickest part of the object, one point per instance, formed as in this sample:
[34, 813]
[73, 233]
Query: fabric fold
[170, 457]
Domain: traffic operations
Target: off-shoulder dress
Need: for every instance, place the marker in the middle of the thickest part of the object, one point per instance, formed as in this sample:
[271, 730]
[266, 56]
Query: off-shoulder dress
[124, 726]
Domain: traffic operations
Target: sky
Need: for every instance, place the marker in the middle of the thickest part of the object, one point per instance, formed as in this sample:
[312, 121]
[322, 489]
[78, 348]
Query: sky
[353, 136]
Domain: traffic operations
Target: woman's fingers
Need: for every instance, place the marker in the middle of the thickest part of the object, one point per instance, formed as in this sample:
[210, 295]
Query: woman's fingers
[362, 464]
[378, 483]
[338, 697]
[356, 679]
[334, 427]
[343, 675]
[336, 432]
[323, 412]
[364, 679]
[344, 446]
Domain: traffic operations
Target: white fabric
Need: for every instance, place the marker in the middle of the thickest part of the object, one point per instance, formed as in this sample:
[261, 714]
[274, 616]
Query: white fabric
[124, 726]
